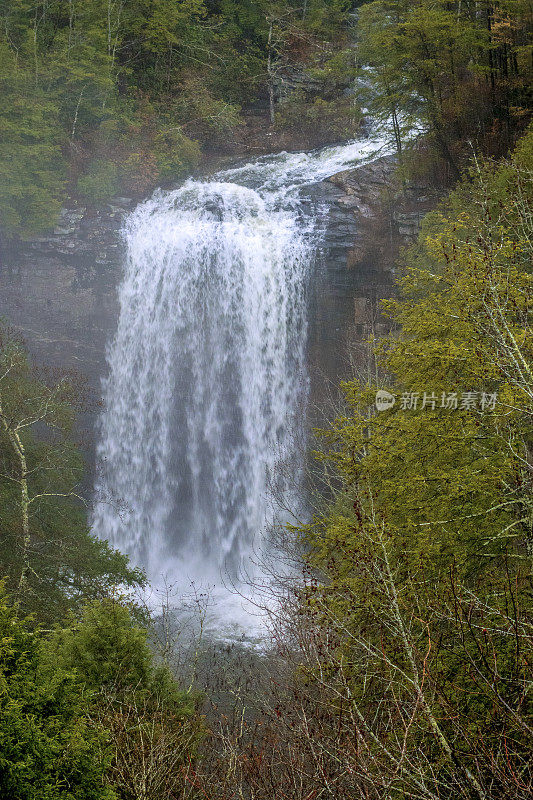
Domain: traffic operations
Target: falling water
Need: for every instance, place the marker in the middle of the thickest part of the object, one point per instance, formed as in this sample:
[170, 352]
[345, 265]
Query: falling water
[207, 375]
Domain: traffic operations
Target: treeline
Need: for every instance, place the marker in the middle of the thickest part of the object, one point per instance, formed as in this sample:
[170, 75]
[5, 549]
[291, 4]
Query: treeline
[116, 96]
[462, 71]
[121, 95]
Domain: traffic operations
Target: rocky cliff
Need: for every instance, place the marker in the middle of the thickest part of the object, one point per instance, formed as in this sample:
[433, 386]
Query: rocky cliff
[59, 290]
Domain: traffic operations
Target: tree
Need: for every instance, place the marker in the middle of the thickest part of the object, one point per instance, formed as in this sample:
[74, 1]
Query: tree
[435, 63]
[404, 648]
[456, 443]
[49, 750]
[153, 724]
[31, 168]
[51, 561]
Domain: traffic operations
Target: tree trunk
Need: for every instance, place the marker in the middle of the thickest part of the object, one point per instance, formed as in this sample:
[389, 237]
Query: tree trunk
[20, 455]
[270, 77]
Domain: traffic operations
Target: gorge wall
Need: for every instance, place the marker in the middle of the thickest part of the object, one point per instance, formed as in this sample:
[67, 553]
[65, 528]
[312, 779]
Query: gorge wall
[59, 291]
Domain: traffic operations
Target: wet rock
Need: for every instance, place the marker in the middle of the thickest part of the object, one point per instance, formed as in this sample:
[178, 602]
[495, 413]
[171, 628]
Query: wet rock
[371, 194]
[408, 222]
[123, 202]
[62, 230]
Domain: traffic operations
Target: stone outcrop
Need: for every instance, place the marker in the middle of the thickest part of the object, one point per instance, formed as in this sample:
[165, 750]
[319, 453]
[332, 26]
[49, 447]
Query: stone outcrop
[376, 199]
[80, 230]
[371, 217]
[58, 290]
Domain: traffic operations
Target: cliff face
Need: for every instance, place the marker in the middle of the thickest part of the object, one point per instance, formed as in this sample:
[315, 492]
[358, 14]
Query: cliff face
[371, 218]
[59, 291]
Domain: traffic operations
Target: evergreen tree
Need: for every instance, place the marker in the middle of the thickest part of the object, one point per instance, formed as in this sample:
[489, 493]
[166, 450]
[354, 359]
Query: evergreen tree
[49, 750]
[32, 172]
[436, 63]
[153, 724]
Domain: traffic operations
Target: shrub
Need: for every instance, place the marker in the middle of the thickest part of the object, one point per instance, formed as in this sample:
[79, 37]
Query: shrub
[175, 154]
[100, 181]
[139, 173]
[49, 749]
[319, 119]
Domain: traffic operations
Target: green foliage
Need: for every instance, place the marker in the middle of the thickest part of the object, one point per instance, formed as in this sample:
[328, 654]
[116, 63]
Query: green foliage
[424, 549]
[80, 78]
[460, 73]
[134, 84]
[152, 723]
[210, 119]
[48, 748]
[111, 651]
[464, 314]
[336, 72]
[325, 17]
[319, 118]
[175, 154]
[31, 168]
[50, 559]
[100, 181]
[87, 714]
[105, 647]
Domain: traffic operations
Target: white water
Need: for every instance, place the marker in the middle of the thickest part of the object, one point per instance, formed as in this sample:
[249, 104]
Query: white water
[207, 375]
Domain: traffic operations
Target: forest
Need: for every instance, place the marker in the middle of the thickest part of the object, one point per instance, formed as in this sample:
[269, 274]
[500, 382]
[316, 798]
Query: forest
[122, 95]
[400, 663]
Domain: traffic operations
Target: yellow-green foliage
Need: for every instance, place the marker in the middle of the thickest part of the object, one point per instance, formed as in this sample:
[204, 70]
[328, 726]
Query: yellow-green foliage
[453, 482]
[422, 555]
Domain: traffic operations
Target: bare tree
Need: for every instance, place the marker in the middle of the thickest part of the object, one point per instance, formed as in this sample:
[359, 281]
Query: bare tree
[32, 408]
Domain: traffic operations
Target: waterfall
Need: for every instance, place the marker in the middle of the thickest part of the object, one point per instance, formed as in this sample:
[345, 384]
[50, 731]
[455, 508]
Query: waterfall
[207, 373]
